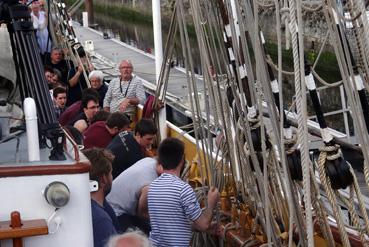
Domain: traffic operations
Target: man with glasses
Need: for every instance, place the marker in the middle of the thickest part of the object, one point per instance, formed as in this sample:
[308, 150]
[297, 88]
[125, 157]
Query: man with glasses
[90, 105]
[125, 93]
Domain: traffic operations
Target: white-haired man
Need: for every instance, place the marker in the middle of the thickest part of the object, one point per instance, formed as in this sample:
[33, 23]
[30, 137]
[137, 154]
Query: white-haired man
[131, 239]
[96, 78]
[126, 92]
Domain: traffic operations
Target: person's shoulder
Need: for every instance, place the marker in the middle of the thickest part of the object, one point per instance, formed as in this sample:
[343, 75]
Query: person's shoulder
[143, 166]
[97, 211]
[114, 143]
[64, 63]
[100, 213]
[118, 140]
[97, 125]
[48, 60]
[136, 79]
[103, 88]
[165, 178]
[185, 187]
[156, 181]
[148, 161]
[114, 81]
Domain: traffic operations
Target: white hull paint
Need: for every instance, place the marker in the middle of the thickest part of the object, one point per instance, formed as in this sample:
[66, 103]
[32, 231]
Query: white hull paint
[25, 194]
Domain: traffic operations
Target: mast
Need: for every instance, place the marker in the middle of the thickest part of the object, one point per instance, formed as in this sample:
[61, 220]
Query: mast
[158, 46]
[90, 10]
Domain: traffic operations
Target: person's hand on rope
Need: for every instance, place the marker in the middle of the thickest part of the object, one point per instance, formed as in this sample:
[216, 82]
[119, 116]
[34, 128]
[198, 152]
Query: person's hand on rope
[159, 105]
[123, 106]
[80, 68]
[213, 197]
[214, 229]
[90, 66]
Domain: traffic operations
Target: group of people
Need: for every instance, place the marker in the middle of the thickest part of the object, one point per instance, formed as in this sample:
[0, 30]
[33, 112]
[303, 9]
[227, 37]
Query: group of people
[139, 196]
[147, 195]
[84, 109]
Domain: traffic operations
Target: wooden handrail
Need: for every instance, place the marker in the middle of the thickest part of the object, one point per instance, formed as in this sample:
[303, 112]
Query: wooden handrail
[16, 229]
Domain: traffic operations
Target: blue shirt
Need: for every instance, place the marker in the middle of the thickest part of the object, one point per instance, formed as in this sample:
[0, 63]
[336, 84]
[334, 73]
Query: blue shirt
[172, 208]
[104, 223]
[126, 150]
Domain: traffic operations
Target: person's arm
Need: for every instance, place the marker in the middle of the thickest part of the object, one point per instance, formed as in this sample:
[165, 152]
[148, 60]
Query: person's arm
[140, 93]
[142, 205]
[124, 104]
[73, 81]
[203, 222]
[133, 101]
[108, 97]
[80, 125]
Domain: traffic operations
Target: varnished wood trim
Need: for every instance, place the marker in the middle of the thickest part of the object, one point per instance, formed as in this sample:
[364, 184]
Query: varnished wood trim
[29, 228]
[17, 171]
[354, 240]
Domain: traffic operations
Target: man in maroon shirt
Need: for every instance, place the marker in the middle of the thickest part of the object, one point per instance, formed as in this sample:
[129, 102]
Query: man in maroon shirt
[67, 117]
[100, 133]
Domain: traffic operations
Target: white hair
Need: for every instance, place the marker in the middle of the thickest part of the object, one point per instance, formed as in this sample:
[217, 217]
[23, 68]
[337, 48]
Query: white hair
[130, 233]
[97, 74]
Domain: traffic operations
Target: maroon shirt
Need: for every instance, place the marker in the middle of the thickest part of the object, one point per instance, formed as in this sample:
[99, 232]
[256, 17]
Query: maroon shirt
[70, 113]
[97, 135]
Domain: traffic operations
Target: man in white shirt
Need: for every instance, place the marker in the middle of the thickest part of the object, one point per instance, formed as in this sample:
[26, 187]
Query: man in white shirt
[125, 93]
[128, 196]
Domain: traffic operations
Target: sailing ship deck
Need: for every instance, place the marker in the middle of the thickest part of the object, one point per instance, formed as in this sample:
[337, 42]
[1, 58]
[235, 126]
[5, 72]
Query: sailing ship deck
[113, 51]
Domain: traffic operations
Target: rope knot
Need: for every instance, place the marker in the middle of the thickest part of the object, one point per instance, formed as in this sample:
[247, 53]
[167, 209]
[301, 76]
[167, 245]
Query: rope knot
[333, 152]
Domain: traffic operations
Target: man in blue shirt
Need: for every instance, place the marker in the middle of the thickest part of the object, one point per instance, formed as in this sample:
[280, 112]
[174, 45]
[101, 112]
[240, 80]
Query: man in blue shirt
[129, 148]
[173, 207]
[104, 221]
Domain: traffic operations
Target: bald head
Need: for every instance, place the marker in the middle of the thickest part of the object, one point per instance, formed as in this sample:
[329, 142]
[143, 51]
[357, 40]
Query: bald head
[130, 239]
[126, 69]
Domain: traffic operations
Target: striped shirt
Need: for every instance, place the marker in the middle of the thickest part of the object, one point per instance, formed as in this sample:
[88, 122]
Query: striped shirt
[119, 90]
[172, 208]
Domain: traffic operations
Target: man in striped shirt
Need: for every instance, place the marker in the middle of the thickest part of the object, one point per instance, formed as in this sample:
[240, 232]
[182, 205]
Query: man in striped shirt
[125, 93]
[173, 207]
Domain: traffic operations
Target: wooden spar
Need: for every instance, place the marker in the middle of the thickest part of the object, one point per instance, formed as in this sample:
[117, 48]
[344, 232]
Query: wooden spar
[357, 78]
[275, 88]
[231, 53]
[156, 15]
[90, 10]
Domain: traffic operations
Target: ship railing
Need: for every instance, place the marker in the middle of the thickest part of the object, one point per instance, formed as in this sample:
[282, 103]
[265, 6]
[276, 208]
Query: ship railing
[71, 147]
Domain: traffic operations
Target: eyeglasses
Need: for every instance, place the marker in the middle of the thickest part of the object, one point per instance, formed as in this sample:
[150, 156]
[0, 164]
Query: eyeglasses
[93, 107]
[125, 67]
